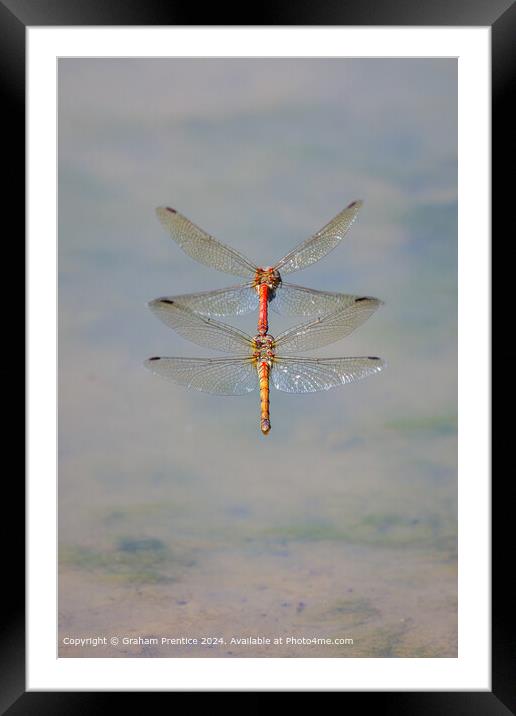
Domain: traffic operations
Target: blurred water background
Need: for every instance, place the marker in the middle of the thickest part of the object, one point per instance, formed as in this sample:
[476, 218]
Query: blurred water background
[176, 516]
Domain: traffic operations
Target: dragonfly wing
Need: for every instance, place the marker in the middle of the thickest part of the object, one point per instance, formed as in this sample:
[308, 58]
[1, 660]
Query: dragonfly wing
[201, 246]
[231, 301]
[320, 243]
[327, 329]
[220, 376]
[199, 329]
[309, 375]
[292, 300]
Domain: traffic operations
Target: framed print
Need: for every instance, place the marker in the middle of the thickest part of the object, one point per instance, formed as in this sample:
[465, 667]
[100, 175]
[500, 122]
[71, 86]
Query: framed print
[258, 541]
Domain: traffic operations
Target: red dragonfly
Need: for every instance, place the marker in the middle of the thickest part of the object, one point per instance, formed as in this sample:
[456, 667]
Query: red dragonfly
[263, 285]
[263, 357]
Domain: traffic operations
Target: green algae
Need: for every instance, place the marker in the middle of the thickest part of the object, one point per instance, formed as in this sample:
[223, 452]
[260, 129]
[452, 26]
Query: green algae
[130, 560]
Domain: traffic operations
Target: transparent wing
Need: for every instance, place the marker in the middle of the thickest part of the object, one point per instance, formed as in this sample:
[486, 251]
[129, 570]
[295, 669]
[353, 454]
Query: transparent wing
[327, 329]
[321, 243]
[231, 301]
[201, 246]
[220, 376]
[309, 375]
[292, 300]
[199, 329]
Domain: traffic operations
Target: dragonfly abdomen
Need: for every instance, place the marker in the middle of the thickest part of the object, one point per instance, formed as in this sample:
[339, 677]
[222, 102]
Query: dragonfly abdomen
[263, 315]
[265, 281]
[263, 374]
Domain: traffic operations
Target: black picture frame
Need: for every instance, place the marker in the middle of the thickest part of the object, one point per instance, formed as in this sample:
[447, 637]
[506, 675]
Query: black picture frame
[500, 15]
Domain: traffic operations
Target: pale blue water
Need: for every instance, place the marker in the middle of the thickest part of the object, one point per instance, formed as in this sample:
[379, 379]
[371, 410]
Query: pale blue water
[176, 515]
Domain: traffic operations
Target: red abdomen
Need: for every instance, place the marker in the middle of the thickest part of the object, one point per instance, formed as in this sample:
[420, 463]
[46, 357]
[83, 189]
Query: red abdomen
[263, 310]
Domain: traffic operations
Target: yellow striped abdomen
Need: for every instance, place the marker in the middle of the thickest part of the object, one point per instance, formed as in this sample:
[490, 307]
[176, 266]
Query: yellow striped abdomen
[263, 374]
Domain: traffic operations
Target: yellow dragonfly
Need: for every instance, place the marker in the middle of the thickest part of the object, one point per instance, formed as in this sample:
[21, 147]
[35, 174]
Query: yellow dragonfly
[264, 358]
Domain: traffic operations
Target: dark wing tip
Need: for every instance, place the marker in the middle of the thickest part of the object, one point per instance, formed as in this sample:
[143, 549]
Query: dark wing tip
[380, 361]
[156, 301]
[357, 202]
[369, 299]
[172, 211]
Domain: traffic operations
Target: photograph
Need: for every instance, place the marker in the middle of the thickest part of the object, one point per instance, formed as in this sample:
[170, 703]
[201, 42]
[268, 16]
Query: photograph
[257, 357]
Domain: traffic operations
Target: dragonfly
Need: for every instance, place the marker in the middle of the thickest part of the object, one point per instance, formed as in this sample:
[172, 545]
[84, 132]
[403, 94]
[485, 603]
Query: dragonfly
[263, 358]
[264, 285]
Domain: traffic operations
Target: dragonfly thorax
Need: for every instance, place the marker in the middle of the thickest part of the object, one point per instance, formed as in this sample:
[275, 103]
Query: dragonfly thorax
[268, 276]
[264, 348]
